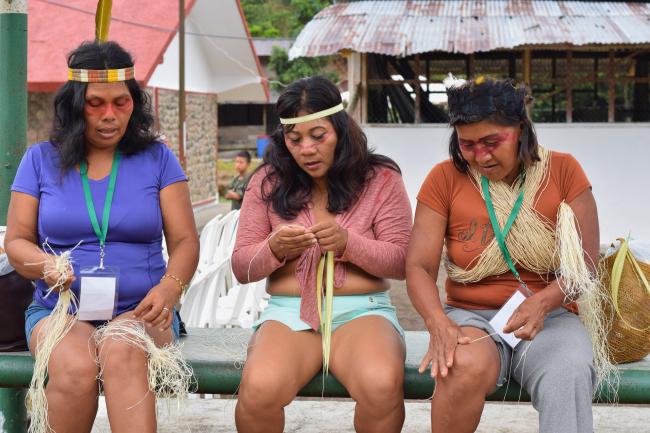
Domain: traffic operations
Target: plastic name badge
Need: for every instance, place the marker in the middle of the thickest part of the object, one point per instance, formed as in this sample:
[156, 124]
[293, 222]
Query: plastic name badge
[98, 293]
[504, 314]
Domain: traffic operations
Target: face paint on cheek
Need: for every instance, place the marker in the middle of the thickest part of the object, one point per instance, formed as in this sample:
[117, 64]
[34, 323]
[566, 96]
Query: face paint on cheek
[482, 151]
[102, 109]
[124, 107]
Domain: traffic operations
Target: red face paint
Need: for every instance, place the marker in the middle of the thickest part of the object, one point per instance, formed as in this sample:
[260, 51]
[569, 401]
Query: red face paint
[97, 107]
[486, 144]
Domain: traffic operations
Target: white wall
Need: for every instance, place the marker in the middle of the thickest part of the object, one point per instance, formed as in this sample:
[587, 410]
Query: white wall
[616, 158]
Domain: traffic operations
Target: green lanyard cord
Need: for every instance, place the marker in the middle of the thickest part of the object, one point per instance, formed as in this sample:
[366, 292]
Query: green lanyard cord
[501, 235]
[101, 233]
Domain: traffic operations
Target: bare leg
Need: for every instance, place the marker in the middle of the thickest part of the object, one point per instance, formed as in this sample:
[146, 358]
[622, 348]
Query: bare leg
[130, 405]
[368, 358]
[459, 398]
[72, 387]
[280, 362]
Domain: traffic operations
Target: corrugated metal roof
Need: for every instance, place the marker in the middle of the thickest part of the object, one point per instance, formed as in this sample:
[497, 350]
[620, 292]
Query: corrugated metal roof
[402, 28]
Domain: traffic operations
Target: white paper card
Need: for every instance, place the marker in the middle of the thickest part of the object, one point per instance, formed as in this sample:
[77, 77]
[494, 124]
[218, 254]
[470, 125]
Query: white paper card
[97, 298]
[503, 315]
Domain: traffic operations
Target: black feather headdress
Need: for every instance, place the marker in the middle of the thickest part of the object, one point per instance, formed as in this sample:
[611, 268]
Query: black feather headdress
[475, 100]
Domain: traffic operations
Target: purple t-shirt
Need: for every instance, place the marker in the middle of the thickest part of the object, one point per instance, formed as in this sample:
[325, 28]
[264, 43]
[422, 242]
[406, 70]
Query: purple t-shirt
[133, 243]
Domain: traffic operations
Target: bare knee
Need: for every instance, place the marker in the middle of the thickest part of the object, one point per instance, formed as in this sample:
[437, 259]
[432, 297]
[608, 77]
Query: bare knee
[380, 386]
[73, 374]
[264, 388]
[471, 371]
[118, 358]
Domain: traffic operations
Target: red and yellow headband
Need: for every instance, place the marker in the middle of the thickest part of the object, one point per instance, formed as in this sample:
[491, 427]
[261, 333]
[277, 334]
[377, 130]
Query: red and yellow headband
[101, 75]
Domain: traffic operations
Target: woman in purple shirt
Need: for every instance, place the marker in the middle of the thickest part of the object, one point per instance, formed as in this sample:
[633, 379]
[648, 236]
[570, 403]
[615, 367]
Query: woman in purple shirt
[102, 143]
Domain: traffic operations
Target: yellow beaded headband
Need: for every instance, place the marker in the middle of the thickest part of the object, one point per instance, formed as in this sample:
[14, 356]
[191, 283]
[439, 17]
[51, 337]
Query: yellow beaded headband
[312, 116]
[101, 75]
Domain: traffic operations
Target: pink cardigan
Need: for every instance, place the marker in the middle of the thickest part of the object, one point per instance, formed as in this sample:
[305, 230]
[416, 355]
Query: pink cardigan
[378, 225]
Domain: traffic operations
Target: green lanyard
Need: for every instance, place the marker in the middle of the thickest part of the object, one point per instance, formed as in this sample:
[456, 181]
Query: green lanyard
[101, 233]
[501, 235]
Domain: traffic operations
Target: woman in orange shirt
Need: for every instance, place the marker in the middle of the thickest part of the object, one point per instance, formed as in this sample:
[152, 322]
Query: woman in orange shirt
[501, 204]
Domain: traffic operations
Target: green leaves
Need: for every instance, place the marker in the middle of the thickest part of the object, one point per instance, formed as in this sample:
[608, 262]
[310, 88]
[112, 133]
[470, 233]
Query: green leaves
[103, 20]
[280, 18]
[289, 71]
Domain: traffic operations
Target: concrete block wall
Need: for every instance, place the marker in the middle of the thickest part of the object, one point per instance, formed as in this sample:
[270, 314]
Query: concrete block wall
[40, 113]
[202, 138]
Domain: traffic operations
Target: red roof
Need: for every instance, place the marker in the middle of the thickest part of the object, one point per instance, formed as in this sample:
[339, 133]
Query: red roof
[55, 27]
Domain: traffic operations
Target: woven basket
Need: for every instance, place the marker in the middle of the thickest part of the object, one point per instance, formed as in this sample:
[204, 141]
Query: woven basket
[627, 344]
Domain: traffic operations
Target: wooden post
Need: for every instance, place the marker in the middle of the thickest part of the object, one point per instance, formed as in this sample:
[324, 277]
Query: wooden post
[418, 90]
[470, 65]
[364, 88]
[527, 60]
[611, 88]
[641, 89]
[512, 65]
[181, 83]
[354, 83]
[569, 86]
[553, 76]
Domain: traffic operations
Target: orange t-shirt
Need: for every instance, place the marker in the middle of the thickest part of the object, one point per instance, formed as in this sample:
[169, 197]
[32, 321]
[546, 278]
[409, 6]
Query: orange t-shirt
[452, 194]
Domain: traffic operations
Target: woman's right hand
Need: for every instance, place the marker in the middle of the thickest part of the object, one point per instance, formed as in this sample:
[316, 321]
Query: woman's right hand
[444, 337]
[290, 241]
[53, 276]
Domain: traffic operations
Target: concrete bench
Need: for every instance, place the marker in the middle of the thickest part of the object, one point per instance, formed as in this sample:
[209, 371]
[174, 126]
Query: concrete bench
[217, 357]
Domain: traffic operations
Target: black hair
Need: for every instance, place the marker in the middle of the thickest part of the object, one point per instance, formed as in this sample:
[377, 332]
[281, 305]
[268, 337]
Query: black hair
[499, 101]
[354, 164]
[68, 131]
[244, 154]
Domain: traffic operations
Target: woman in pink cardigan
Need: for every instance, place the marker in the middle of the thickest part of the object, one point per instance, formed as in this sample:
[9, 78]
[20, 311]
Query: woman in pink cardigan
[321, 189]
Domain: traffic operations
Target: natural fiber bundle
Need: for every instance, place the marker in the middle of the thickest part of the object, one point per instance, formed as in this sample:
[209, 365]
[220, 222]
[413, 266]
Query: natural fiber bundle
[579, 282]
[169, 375]
[531, 240]
[50, 334]
[628, 301]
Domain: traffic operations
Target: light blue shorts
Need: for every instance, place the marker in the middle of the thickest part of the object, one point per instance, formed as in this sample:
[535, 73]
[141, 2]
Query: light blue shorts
[286, 310]
[35, 313]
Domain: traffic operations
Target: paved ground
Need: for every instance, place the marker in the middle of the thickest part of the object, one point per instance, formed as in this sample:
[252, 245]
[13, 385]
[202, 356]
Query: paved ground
[335, 416]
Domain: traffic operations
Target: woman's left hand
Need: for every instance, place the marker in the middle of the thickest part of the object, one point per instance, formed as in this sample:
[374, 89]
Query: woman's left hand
[528, 319]
[330, 236]
[156, 309]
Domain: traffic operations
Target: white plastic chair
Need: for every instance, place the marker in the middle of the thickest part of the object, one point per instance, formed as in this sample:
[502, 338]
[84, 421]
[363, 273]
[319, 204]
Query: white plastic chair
[242, 305]
[208, 241]
[201, 301]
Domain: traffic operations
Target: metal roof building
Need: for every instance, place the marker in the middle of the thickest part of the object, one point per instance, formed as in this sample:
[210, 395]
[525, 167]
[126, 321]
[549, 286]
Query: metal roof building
[403, 28]
[584, 59]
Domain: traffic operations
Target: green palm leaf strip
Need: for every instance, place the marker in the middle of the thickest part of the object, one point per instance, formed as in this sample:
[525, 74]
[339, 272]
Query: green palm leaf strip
[624, 253]
[325, 322]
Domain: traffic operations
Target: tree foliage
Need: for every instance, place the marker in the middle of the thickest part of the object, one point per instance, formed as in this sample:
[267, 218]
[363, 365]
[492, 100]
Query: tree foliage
[285, 19]
[288, 71]
[280, 18]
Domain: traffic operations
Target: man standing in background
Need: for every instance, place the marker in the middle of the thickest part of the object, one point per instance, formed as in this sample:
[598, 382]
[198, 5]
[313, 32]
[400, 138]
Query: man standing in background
[238, 185]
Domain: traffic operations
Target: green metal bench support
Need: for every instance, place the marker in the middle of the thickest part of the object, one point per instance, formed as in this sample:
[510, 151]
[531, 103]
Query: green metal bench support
[217, 357]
